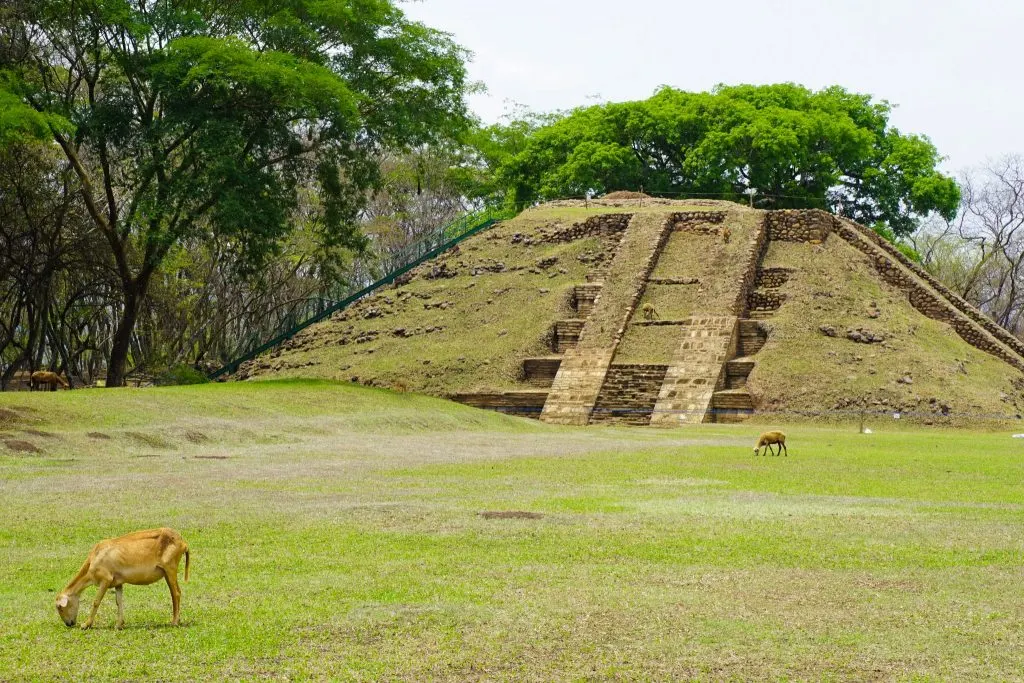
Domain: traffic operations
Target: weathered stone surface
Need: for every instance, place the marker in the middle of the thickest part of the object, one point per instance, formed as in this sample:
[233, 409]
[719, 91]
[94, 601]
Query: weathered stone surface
[812, 226]
[581, 375]
[584, 298]
[526, 403]
[696, 371]
[629, 394]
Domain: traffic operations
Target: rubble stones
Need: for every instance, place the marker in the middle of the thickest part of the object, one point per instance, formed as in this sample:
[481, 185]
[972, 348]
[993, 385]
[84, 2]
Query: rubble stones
[441, 271]
[862, 336]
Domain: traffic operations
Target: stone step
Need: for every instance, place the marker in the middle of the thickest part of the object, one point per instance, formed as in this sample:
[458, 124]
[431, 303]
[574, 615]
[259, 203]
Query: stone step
[731, 405]
[752, 337]
[541, 371]
[733, 399]
[584, 297]
[761, 315]
[660, 323]
[567, 334]
[737, 371]
[731, 416]
[525, 403]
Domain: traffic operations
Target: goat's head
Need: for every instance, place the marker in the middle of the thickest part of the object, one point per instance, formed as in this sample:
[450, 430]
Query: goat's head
[67, 608]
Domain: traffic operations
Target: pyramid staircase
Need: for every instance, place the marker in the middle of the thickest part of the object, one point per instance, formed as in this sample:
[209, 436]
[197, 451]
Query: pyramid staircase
[539, 372]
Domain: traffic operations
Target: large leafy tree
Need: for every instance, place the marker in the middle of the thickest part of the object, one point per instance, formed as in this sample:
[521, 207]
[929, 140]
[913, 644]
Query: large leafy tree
[791, 146]
[207, 119]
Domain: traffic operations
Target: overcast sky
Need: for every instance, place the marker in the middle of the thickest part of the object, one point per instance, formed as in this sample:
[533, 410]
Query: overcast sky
[953, 67]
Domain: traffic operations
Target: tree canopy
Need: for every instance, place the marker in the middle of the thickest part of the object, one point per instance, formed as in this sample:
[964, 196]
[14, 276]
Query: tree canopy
[792, 146]
[207, 118]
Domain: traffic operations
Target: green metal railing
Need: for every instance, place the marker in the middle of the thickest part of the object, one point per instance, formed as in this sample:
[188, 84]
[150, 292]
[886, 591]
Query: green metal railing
[315, 310]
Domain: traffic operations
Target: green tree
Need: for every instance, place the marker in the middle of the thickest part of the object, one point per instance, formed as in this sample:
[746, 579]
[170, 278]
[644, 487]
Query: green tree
[198, 120]
[792, 146]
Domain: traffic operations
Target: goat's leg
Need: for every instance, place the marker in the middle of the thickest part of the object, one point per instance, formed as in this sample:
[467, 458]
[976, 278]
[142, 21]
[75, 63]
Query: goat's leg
[786, 449]
[96, 603]
[172, 584]
[119, 596]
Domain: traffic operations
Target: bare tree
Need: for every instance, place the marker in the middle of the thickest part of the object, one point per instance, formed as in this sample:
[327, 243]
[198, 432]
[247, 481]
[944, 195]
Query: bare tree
[980, 254]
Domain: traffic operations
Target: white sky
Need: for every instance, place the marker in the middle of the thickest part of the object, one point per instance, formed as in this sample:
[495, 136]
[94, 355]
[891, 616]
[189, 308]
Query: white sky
[951, 66]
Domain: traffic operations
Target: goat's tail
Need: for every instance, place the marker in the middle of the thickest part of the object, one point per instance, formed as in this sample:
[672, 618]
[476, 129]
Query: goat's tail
[186, 563]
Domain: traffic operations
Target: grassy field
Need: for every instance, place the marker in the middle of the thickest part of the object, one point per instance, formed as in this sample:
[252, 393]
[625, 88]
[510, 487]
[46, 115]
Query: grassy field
[335, 533]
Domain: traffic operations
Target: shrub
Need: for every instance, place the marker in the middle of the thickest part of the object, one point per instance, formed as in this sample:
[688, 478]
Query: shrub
[179, 375]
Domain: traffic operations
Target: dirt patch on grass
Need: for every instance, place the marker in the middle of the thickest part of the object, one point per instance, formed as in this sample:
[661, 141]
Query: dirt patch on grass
[8, 417]
[98, 435]
[19, 446]
[151, 440]
[196, 437]
[36, 432]
[510, 514]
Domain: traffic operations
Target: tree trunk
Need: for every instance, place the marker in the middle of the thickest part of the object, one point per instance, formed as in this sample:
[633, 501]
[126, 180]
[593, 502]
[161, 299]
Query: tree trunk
[134, 292]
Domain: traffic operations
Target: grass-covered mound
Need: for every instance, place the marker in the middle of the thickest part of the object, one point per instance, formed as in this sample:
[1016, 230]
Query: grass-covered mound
[910, 364]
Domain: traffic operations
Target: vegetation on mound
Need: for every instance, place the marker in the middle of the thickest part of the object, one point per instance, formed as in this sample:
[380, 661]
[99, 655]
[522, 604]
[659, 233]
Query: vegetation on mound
[915, 366]
[353, 551]
[465, 321]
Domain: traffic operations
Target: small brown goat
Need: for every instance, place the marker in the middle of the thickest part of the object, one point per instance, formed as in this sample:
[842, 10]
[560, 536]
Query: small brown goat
[649, 312]
[51, 379]
[768, 439]
[140, 558]
[726, 235]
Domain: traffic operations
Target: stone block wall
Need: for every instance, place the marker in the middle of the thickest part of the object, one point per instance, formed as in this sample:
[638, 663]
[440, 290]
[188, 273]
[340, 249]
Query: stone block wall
[756, 249]
[765, 302]
[698, 221]
[696, 372]
[773, 278]
[812, 226]
[522, 403]
[629, 394]
[601, 225]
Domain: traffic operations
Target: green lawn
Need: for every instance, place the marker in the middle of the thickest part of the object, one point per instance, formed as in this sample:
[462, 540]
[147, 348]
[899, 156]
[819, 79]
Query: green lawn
[335, 534]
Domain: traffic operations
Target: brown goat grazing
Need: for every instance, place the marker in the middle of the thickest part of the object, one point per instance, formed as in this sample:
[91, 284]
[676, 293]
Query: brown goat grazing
[726, 235]
[649, 312]
[51, 379]
[140, 558]
[771, 438]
